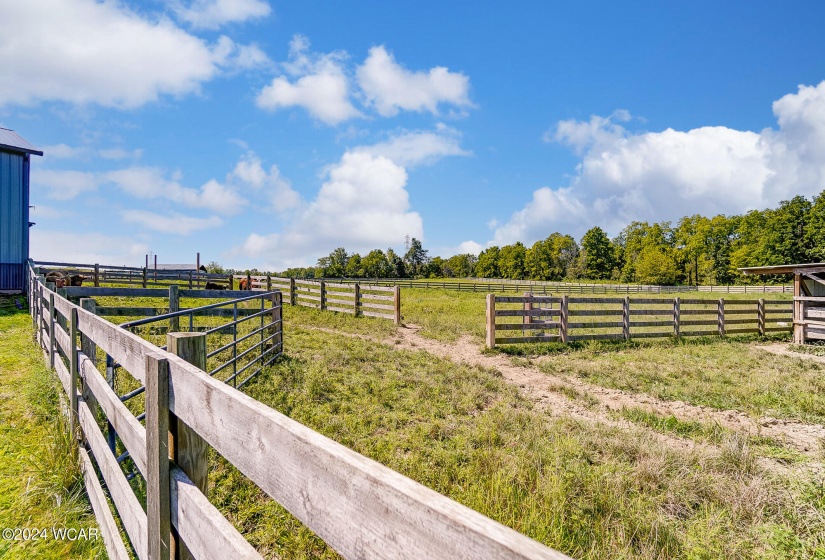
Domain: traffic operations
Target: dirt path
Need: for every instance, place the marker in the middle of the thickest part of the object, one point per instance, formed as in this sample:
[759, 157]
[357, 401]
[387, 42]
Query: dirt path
[782, 350]
[544, 389]
[548, 391]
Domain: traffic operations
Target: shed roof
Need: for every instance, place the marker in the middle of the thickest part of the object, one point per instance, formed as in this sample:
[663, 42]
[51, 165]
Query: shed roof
[11, 141]
[784, 269]
[179, 267]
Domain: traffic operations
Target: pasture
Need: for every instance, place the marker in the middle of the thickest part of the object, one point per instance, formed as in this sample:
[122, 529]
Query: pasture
[673, 448]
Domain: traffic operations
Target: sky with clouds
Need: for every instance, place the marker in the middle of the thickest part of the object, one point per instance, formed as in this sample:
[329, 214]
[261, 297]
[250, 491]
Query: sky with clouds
[265, 134]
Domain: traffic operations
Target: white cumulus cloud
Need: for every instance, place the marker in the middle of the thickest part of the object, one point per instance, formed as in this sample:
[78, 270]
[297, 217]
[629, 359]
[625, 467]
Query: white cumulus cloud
[391, 88]
[249, 172]
[85, 51]
[150, 182]
[319, 85]
[418, 148]
[172, 223]
[65, 246]
[665, 175]
[212, 14]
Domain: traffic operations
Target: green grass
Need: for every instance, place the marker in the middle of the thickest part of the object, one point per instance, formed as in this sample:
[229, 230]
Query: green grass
[40, 480]
[710, 432]
[589, 490]
[723, 374]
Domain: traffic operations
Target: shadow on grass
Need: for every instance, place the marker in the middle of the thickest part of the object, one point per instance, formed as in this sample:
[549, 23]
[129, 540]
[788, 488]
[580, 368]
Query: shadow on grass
[13, 305]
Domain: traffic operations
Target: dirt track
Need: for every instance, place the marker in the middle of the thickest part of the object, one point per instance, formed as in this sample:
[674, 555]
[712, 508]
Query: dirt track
[545, 391]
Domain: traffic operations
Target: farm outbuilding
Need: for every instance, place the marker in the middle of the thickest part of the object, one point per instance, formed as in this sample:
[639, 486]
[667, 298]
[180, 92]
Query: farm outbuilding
[808, 297]
[15, 154]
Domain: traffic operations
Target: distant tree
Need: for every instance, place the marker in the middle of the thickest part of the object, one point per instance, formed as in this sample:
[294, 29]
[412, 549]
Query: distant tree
[487, 265]
[376, 265]
[215, 268]
[396, 265]
[551, 258]
[511, 263]
[461, 266]
[597, 254]
[415, 258]
[337, 263]
[354, 267]
[656, 265]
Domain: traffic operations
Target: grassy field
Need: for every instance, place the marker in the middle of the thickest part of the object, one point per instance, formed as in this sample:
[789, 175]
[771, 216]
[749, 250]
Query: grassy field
[589, 489]
[635, 484]
[40, 482]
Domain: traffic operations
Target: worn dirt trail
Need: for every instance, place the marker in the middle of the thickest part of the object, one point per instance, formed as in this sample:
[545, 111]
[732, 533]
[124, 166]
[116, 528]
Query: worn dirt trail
[806, 438]
[544, 390]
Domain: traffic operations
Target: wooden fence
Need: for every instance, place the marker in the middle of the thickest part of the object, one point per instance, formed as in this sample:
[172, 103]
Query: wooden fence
[547, 288]
[356, 298]
[568, 319]
[359, 507]
[98, 274]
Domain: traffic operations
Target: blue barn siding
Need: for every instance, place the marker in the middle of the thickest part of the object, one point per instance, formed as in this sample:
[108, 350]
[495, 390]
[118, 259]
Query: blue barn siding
[14, 210]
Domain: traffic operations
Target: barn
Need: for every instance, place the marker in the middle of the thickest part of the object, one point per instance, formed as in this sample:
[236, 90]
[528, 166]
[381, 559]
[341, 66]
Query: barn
[808, 297]
[15, 154]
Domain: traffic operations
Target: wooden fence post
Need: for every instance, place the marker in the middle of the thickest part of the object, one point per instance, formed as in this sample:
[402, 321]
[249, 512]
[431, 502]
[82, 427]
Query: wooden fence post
[174, 305]
[293, 298]
[356, 310]
[268, 283]
[158, 495]
[491, 320]
[73, 373]
[396, 296]
[626, 318]
[190, 279]
[145, 276]
[231, 282]
[323, 286]
[189, 450]
[720, 313]
[528, 306]
[51, 325]
[563, 316]
[277, 320]
[760, 316]
[89, 348]
[249, 281]
[97, 275]
[677, 317]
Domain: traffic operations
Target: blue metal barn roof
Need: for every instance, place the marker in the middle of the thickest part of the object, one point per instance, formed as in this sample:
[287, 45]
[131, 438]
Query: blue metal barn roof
[10, 141]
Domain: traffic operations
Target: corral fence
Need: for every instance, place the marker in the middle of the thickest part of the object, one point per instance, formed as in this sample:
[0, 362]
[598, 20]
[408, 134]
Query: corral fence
[357, 298]
[487, 285]
[144, 277]
[567, 319]
[360, 508]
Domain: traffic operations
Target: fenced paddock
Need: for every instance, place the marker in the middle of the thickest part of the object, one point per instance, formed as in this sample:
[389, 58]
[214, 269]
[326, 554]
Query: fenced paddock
[366, 300]
[134, 276]
[531, 318]
[359, 507]
[548, 288]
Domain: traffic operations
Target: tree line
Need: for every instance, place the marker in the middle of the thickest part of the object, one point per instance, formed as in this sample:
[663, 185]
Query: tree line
[695, 250]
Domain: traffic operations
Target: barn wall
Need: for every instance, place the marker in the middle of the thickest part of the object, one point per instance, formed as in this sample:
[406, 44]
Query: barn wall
[14, 226]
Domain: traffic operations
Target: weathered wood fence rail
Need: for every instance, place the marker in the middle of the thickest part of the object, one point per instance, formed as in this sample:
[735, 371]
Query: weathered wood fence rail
[547, 288]
[568, 319]
[144, 277]
[359, 507]
[359, 299]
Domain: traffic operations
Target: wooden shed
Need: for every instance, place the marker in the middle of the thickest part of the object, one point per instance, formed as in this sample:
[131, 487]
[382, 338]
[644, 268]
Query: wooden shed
[808, 297]
[14, 209]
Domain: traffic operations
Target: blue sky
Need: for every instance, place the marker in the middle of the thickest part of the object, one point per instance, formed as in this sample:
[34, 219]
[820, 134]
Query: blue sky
[265, 134]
